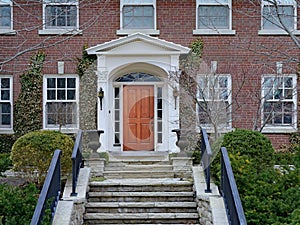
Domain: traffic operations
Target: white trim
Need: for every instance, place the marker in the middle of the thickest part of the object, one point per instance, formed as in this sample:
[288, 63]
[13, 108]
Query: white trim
[123, 31]
[67, 128]
[277, 32]
[214, 31]
[280, 128]
[8, 130]
[60, 32]
[8, 32]
[144, 31]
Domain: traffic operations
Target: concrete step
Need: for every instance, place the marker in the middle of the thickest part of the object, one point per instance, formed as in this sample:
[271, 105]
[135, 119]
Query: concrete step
[138, 218]
[141, 207]
[134, 167]
[137, 174]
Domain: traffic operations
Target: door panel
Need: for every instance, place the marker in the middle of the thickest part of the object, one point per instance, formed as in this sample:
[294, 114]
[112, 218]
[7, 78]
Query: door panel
[138, 116]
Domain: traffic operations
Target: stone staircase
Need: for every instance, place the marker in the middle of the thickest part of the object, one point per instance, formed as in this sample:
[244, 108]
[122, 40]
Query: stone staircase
[140, 189]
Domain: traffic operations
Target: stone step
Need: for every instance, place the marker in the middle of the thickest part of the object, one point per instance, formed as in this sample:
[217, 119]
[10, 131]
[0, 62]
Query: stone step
[141, 196]
[141, 185]
[137, 174]
[138, 218]
[138, 156]
[141, 207]
[134, 167]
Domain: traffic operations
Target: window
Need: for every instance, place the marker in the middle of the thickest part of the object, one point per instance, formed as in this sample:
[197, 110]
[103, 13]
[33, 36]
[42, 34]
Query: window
[213, 17]
[5, 15]
[138, 15]
[280, 102]
[5, 103]
[60, 15]
[279, 16]
[61, 102]
[214, 101]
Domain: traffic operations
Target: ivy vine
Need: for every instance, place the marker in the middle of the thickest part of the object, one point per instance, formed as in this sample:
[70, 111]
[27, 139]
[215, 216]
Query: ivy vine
[85, 61]
[197, 47]
[28, 107]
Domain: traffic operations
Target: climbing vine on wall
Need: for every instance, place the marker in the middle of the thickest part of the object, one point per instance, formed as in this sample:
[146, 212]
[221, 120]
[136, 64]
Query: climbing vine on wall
[28, 107]
[85, 61]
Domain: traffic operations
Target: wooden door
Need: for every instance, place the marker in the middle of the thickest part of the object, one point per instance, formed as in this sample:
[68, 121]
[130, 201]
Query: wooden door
[138, 117]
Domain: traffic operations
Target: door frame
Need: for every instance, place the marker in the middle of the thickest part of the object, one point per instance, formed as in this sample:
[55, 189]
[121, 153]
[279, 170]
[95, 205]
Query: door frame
[120, 85]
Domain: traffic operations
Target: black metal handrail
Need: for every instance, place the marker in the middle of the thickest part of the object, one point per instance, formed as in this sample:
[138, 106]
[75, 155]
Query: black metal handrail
[230, 192]
[50, 192]
[206, 155]
[77, 162]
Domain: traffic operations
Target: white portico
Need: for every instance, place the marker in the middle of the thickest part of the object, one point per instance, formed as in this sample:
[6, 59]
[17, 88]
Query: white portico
[138, 110]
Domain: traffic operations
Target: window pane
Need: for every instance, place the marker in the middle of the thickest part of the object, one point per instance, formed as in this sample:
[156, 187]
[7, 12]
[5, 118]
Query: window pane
[61, 95]
[5, 16]
[50, 82]
[61, 83]
[138, 17]
[210, 17]
[272, 16]
[61, 16]
[50, 94]
[71, 82]
[5, 95]
[5, 83]
[71, 95]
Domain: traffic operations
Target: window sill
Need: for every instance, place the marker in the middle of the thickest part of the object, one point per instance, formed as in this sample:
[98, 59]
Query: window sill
[279, 129]
[7, 32]
[143, 31]
[214, 32]
[6, 131]
[277, 32]
[63, 129]
[60, 32]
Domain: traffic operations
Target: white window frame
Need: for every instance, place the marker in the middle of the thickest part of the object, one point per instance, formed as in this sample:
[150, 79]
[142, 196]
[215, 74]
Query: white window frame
[227, 31]
[123, 31]
[60, 30]
[223, 128]
[280, 128]
[70, 128]
[8, 30]
[278, 31]
[8, 129]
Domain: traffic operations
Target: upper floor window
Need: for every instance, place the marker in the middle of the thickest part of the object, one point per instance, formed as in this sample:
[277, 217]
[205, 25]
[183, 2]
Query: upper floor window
[60, 15]
[138, 15]
[214, 101]
[278, 16]
[6, 103]
[61, 102]
[5, 14]
[213, 17]
[279, 102]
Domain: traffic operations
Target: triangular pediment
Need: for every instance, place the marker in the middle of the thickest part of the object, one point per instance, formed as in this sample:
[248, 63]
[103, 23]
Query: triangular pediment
[138, 44]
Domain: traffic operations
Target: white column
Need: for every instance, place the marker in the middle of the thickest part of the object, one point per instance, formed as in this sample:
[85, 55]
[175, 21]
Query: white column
[103, 115]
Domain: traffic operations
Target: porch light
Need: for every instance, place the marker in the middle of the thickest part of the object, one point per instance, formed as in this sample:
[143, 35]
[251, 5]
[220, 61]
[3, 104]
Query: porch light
[175, 95]
[101, 96]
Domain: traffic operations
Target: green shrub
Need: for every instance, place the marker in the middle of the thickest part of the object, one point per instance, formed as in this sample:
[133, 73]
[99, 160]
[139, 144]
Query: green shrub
[6, 142]
[269, 196]
[252, 144]
[17, 204]
[34, 151]
[5, 162]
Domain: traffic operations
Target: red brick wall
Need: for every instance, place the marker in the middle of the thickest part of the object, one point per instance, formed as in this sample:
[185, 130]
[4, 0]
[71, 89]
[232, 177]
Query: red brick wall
[246, 55]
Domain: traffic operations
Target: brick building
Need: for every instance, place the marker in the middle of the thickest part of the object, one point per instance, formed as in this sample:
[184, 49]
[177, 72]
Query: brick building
[250, 46]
